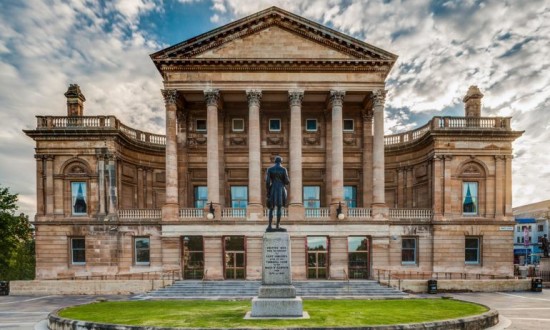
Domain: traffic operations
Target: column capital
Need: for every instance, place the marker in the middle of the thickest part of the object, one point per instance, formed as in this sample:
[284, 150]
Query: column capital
[170, 96]
[254, 97]
[367, 115]
[337, 97]
[295, 97]
[211, 96]
[379, 97]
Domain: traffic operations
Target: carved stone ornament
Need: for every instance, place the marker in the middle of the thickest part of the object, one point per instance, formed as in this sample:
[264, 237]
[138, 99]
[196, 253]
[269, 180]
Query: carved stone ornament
[350, 141]
[295, 97]
[170, 96]
[237, 141]
[77, 170]
[312, 140]
[196, 141]
[367, 115]
[472, 170]
[379, 98]
[337, 97]
[211, 96]
[274, 140]
[254, 97]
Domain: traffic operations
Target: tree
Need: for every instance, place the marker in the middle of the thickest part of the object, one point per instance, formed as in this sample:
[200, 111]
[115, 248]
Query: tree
[16, 240]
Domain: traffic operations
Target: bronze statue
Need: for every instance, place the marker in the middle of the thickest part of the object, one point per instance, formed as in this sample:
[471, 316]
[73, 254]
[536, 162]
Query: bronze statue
[275, 180]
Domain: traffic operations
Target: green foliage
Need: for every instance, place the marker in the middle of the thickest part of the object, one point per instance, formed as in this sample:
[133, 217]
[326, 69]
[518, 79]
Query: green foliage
[229, 314]
[16, 240]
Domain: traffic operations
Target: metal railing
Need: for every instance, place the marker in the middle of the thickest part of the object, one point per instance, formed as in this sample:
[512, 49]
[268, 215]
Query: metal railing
[140, 214]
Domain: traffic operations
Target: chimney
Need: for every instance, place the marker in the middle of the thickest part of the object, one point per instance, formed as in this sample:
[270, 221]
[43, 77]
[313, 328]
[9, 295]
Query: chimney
[472, 102]
[75, 101]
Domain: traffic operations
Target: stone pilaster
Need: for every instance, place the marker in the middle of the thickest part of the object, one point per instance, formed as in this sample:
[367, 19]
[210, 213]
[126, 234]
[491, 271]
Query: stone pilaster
[296, 206]
[409, 190]
[379, 198]
[508, 184]
[170, 207]
[49, 185]
[39, 184]
[437, 188]
[367, 158]
[212, 97]
[337, 138]
[101, 183]
[255, 208]
[112, 170]
[447, 184]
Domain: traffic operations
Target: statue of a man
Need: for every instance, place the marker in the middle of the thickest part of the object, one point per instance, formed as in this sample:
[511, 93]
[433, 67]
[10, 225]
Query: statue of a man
[275, 180]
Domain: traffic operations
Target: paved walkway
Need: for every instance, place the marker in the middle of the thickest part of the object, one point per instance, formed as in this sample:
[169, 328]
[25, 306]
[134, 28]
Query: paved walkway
[518, 310]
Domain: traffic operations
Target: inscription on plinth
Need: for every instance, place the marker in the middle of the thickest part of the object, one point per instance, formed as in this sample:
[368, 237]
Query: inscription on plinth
[276, 259]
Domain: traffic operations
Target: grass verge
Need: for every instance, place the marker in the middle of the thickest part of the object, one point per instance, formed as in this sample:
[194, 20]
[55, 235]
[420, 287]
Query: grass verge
[229, 314]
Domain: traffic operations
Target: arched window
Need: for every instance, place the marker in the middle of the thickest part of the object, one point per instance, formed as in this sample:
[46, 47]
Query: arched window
[473, 184]
[77, 187]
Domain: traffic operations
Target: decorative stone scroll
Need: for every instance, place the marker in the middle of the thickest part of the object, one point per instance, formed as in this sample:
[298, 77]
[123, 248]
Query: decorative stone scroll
[254, 97]
[295, 97]
[212, 97]
[170, 96]
[379, 97]
[337, 97]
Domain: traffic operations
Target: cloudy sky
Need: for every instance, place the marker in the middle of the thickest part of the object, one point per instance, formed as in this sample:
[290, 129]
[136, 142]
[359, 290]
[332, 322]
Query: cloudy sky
[443, 47]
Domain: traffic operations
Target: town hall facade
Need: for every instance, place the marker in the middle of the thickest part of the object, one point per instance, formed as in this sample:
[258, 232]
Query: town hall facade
[112, 199]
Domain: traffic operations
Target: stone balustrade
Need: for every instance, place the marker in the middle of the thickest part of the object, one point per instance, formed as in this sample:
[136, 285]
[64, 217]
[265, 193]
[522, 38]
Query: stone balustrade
[359, 213]
[284, 213]
[417, 214]
[140, 214]
[191, 213]
[234, 213]
[317, 213]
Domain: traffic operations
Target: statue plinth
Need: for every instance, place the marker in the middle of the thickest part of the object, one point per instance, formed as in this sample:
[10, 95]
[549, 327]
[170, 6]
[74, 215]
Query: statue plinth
[277, 296]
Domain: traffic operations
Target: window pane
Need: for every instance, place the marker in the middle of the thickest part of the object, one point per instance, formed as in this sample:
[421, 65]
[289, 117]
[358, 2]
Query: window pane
[142, 250]
[240, 260]
[348, 124]
[201, 197]
[78, 250]
[311, 124]
[234, 243]
[358, 243]
[201, 124]
[409, 243]
[321, 259]
[78, 191]
[350, 196]
[274, 124]
[311, 260]
[317, 243]
[312, 196]
[78, 243]
[193, 243]
[469, 193]
[472, 243]
[238, 124]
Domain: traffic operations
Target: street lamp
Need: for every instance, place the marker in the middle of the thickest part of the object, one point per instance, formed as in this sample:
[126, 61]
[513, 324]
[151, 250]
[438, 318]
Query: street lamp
[210, 214]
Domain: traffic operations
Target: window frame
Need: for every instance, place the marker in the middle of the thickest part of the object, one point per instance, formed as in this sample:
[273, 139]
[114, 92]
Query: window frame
[235, 268]
[316, 125]
[476, 197]
[73, 198]
[354, 200]
[478, 249]
[142, 263]
[195, 200]
[200, 130]
[72, 250]
[185, 249]
[415, 250]
[353, 270]
[231, 199]
[352, 125]
[326, 252]
[233, 129]
[273, 120]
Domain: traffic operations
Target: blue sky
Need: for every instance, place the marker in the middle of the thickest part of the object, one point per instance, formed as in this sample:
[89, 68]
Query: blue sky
[443, 47]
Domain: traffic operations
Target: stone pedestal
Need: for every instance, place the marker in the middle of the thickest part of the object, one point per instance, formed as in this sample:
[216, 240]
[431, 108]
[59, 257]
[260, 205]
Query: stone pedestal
[277, 296]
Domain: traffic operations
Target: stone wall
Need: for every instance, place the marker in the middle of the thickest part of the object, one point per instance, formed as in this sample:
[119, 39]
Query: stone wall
[88, 287]
[421, 286]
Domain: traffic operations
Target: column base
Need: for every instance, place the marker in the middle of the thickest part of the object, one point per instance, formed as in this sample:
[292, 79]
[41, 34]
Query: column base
[255, 212]
[296, 212]
[170, 212]
[380, 212]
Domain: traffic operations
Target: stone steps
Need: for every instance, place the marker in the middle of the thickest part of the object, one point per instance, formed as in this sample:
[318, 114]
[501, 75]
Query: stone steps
[362, 288]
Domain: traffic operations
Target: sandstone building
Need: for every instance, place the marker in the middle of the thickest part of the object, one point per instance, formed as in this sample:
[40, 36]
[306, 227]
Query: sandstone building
[113, 199]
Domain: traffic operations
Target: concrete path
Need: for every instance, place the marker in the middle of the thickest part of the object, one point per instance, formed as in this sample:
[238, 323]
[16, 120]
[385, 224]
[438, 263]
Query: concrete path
[518, 310]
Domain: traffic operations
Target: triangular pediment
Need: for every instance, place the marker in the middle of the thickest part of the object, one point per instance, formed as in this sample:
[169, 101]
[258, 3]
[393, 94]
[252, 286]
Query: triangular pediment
[274, 34]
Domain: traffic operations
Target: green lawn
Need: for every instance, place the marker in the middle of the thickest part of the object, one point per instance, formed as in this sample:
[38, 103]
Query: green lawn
[229, 314]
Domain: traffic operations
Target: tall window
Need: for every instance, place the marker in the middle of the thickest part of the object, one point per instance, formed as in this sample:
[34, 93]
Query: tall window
[408, 250]
[141, 250]
[234, 257]
[79, 198]
[350, 196]
[358, 257]
[239, 196]
[317, 257]
[78, 251]
[472, 250]
[312, 196]
[469, 198]
[193, 257]
[201, 196]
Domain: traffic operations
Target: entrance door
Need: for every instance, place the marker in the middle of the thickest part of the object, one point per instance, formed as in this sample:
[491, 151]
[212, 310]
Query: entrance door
[193, 257]
[358, 257]
[234, 257]
[317, 257]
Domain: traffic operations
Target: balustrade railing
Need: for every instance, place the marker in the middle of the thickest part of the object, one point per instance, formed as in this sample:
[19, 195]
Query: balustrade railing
[191, 213]
[140, 214]
[284, 213]
[359, 213]
[317, 213]
[419, 214]
[234, 213]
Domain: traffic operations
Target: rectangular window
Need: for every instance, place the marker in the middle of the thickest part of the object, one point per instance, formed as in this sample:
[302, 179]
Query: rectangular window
[408, 250]
[79, 198]
[141, 250]
[78, 251]
[201, 197]
[239, 197]
[234, 257]
[238, 125]
[274, 125]
[350, 196]
[193, 258]
[469, 198]
[348, 125]
[201, 125]
[311, 125]
[540, 228]
[472, 250]
[317, 257]
[358, 257]
[312, 197]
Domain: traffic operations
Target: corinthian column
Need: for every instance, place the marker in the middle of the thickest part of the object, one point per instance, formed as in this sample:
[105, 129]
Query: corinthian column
[212, 96]
[170, 208]
[296, 208]
[379, 200]
[255, 208]
[337, 166]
